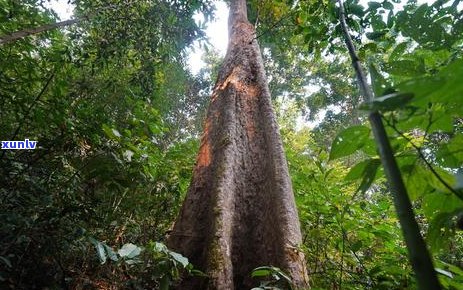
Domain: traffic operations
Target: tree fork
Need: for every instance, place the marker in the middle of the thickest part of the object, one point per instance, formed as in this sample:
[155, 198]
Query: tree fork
[239, 212]
[417, 251]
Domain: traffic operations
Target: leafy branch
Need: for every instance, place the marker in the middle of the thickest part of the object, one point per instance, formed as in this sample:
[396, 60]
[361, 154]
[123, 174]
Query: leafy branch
[31, 31]
[26, 114]
[422, 157]
[8, 38]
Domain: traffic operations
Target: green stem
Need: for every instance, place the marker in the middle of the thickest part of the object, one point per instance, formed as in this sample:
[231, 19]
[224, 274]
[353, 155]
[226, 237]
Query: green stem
[417, 251]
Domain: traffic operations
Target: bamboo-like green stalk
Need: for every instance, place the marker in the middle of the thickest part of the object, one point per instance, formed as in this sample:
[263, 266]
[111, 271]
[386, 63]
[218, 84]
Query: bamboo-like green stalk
[417, 251]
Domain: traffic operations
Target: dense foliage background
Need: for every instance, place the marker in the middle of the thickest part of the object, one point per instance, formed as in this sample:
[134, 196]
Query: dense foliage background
[117, 116]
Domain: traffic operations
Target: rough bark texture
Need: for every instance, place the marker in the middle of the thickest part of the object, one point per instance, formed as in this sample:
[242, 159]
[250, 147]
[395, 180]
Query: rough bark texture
[239, 212]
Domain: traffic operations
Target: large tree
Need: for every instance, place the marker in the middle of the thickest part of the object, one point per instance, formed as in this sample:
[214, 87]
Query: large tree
[239, 212]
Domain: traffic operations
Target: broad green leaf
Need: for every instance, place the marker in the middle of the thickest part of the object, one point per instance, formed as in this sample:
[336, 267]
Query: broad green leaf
[453, 90]
[367, 170]
[160, 247]
[101, 252]
[379, 83]
[111, 132]
[398, 50]
[406, 67]
[437, 182]
[179, 258]
[416, 179]
[259, 272]
[369, 175]
[99, 249]
[388, 5]
[439, 202]
[356, 9]
[357, 171]
[129, 251]
[446, 86]
[441, 119]
[373, 5]
[388, 102]
[439, 231]
[422, 88]
[198, 273]
[348, 141]
[375, 35]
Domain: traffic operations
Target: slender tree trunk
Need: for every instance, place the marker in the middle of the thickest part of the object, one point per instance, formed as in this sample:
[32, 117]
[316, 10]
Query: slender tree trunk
[239, 212]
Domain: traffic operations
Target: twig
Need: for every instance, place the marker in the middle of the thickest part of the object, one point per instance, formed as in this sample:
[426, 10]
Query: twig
[428, 164]
[272, 27]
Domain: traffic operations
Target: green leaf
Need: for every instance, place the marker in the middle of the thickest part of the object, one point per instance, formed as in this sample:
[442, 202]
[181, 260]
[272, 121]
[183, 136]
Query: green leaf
[416, 180]
[179, 258]
[398, 50]
[375, 35]
[406, 67]
[453, 90]
[198, 273]
[388, 102]
[422, 88]
[446, 86]
[369, 175]
[360, 168]
[379, 83]
[100, 250]
[111, 132]
[261, 272]
[348, 141]
[390, 19]
[160, 247]
[357, 9]
[439, 231]
[373, 5]
[388, 5]
[439, 202]
[129, 251]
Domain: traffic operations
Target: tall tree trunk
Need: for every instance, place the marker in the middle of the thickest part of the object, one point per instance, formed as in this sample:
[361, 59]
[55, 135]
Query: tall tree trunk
[239, 212]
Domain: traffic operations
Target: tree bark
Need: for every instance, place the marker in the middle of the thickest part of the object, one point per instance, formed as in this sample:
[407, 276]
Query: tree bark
[239, 212]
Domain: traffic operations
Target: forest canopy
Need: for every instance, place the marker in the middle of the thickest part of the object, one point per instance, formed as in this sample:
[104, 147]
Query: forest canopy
[117, 116]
